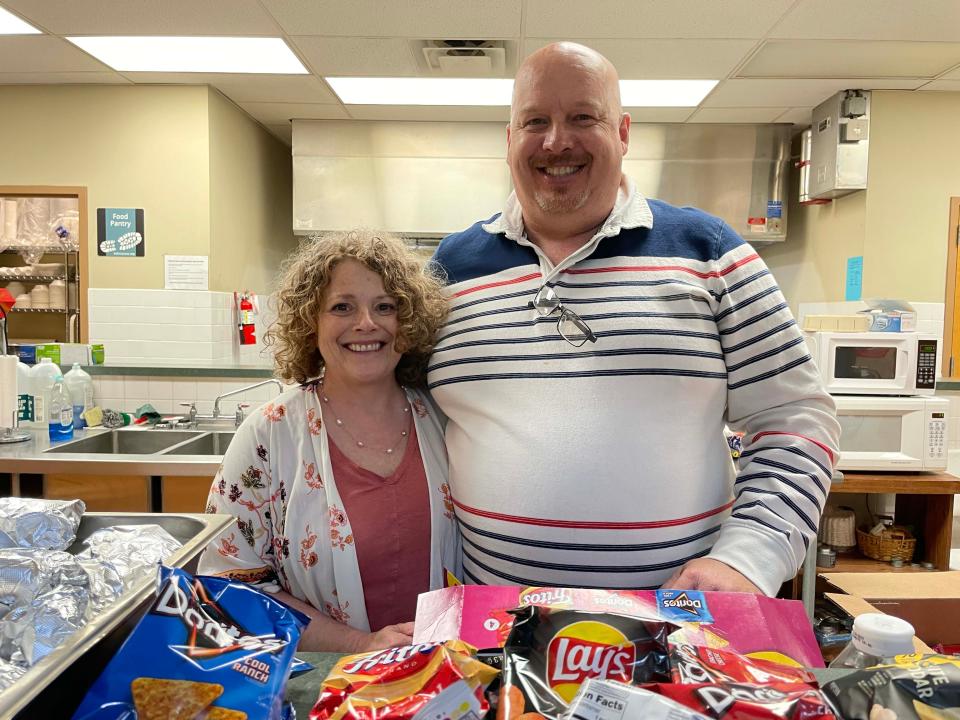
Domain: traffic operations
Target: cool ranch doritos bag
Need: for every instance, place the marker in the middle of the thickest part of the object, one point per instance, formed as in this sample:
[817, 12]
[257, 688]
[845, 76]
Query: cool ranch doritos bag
[207, 647]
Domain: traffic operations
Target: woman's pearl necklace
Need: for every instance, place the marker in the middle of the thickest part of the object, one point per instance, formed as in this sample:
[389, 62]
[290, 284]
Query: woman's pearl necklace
[361, 443]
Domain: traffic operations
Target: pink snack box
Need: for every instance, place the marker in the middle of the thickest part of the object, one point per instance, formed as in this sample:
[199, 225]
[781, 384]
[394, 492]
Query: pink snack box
[749, 624]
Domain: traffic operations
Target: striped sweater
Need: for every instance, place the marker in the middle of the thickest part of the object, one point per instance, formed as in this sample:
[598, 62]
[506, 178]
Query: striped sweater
[607, 465]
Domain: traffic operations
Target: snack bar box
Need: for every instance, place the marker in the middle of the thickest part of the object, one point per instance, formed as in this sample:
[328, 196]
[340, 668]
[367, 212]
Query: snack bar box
[753, 625]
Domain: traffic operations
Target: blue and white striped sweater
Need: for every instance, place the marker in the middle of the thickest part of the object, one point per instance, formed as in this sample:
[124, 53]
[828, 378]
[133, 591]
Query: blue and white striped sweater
[606, 465]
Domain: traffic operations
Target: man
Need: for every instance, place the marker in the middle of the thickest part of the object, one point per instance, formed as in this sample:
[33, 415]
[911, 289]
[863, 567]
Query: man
[597, 344]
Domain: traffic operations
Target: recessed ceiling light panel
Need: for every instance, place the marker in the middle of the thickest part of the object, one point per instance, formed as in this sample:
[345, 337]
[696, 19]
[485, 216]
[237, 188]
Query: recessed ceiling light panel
[10, 24]
[193, 54]
[422, 91]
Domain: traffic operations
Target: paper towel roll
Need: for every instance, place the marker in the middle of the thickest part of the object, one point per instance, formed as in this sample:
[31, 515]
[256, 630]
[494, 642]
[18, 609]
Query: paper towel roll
[9, 220]
[8, 390]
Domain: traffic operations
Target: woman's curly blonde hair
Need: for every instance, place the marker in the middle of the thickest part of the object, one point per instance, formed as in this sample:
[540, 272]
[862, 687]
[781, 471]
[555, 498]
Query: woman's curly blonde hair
[305, 276]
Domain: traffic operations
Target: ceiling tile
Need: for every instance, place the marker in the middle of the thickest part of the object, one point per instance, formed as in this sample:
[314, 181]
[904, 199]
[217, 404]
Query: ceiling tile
[954, 74]
[736, 115]
[429, 112]
[851, 58]
[795, 92]
[637, 59]
[797, 116]
[652, 18]
[249, 88]
[928, 20]
[436, 19]
[283, 133]
[62, 78]
[276, 88]
[43, 53]
[278, 113]
[147, 17]
[389, 57]
[943, 85]
[659, 114]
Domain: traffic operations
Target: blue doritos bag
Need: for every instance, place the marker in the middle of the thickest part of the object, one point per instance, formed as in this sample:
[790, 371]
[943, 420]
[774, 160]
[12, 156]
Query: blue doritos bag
[208, 648]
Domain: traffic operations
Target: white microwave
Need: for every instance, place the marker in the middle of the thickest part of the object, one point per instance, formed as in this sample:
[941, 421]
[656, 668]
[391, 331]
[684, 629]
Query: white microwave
[875, 363]
[892, 433]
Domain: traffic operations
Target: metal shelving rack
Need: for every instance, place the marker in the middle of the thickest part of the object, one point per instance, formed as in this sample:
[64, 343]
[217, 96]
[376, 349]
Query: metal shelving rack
[76, 271]
[70, 276]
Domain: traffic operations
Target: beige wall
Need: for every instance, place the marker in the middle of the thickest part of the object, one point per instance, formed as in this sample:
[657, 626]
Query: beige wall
[209, 179]
[251, 199]
[914, 170]
[142, 147]
[811, 264]
[899, 224]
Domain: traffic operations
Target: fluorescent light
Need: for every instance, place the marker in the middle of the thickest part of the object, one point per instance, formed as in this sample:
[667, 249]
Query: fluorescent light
[664, 93]
[10, 24]
[422, 91]
[490, 91]
[193, 54]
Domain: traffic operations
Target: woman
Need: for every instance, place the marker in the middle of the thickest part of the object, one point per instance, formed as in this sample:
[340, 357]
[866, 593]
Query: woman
[339, 486]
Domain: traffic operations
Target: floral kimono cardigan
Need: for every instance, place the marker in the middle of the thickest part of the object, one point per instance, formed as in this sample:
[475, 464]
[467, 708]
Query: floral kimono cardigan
[291, 528]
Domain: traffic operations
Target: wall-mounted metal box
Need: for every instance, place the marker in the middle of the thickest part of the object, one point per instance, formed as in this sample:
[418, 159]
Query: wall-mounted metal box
[840, 145]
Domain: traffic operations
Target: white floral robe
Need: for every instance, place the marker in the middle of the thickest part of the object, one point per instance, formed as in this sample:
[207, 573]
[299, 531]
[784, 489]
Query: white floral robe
[291, 528]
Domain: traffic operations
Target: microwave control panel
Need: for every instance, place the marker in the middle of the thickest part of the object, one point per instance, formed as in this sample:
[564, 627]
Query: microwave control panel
[936, 430]
[926, 364]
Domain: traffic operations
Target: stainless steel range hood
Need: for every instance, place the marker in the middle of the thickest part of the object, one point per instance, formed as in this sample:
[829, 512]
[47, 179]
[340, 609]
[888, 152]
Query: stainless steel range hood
[427, 179]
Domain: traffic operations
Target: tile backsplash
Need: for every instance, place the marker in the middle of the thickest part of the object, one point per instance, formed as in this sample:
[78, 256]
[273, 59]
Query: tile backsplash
[128, 392]
[173, 327]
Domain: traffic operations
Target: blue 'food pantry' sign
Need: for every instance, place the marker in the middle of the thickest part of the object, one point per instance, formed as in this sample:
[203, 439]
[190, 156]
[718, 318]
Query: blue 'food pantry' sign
[120, 232]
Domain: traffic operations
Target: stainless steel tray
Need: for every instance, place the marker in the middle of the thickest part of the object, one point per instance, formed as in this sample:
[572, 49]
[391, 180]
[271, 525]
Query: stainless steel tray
[55, 686]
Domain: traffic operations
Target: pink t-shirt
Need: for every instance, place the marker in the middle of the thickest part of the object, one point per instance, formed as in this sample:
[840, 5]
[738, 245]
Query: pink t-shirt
[390, 520]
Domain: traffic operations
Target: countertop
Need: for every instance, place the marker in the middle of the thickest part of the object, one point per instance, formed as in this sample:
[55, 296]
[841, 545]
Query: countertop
[193, 370]
[29, 457]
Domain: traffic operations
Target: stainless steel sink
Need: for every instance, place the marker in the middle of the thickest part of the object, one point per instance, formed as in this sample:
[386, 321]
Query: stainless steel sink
[211, 443]
[125, 442]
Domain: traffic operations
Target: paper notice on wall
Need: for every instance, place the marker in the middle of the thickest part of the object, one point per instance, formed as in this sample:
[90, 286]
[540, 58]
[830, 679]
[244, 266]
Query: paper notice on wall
[185, 272]
[854, 285]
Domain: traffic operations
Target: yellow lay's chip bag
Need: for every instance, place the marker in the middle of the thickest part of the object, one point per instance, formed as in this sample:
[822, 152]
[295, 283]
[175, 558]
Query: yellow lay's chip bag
[551, 652]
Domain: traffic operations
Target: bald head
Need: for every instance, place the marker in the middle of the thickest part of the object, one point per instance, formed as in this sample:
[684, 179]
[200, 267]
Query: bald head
[565, 142]
[563, 59]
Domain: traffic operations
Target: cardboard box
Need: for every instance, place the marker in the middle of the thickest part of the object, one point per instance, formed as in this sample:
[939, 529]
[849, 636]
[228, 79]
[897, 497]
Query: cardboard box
[750, 624]
[891, 316]
[855, 606]
[63, 354]
[930, 601]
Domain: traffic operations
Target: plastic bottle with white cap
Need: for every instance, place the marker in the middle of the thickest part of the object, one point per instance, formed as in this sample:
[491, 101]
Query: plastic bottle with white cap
[80, 386]
[43, 376]
[876, 640]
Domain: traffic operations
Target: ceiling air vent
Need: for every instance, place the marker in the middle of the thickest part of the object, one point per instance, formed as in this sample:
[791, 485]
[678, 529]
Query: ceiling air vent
[465, 58]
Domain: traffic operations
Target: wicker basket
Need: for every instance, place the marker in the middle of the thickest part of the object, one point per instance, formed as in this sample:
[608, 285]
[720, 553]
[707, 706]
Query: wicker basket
[895, 543]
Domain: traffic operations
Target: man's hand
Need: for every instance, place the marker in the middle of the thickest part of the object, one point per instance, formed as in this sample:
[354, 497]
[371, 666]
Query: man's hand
[707, 574]
[388, 637]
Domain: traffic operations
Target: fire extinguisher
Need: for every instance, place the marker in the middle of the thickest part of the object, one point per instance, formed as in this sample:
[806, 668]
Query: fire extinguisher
[246, 317]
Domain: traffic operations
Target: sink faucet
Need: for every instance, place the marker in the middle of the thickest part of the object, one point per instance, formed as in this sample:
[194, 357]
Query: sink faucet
[239, 416]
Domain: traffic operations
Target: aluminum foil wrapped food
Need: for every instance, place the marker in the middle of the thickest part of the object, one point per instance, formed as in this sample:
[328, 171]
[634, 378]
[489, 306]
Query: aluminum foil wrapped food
[44, 595]
[26, 573]
[133, 550]
[106, 585]
[36, 523]
[9, 674]
[30, 633]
